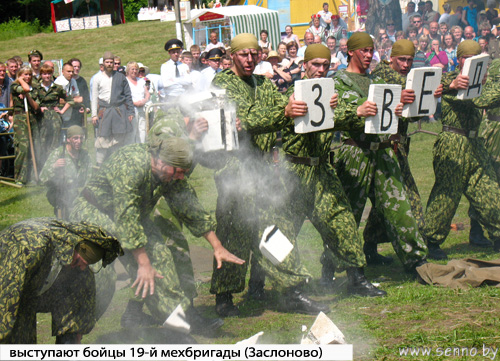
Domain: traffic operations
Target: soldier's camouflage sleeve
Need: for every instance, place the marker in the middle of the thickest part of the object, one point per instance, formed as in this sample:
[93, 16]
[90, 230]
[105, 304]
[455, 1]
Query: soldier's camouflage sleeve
[186, 207]
[345, 114]
[170, 122]
[263, 116]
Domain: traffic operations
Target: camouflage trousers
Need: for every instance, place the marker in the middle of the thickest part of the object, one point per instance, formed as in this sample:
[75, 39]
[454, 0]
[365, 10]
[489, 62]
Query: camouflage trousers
[245, 207]
[161, 252]
[491, 134]
[377, 175]
[316, 193]
[23, 162]
[461, 166]
[373, 232]
[50, 134]
[70, 300]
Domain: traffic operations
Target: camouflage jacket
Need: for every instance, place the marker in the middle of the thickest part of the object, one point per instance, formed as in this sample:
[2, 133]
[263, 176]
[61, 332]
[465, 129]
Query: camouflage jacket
[384, 71]
[15, 90]
[50, 239]
[315, 144]
[127, 191]
[467, 114]
[352, 94]
[259, 107]
[64, 182]
[50, 98]
[493, 77]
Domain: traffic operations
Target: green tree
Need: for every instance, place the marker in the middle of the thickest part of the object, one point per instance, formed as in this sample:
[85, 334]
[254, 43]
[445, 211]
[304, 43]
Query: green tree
[131, 8]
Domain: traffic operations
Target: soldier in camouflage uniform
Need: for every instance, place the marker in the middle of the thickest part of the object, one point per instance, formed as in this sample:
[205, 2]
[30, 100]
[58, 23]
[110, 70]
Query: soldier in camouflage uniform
[19, 89]
[44, 269]
[365, 172]
[313, 189]
[246, 184]
[395, 72]
[491, 134]
[66, 171]
[120, 197]
[51, 122]
[461, 162]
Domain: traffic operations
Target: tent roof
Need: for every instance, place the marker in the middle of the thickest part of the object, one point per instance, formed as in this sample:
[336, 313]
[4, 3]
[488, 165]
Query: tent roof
[229, 11]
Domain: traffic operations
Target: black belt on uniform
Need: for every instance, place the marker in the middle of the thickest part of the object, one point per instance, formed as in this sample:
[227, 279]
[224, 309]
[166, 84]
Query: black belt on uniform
[494, 118]
[311, 161]
[395, 138]
[465, 133]
[19, 112]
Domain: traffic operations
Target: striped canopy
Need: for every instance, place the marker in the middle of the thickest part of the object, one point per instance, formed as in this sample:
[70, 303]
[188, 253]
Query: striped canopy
[248, 19]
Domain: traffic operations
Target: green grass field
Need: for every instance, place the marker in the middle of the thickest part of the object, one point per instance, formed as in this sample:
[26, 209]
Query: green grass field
[411, 315]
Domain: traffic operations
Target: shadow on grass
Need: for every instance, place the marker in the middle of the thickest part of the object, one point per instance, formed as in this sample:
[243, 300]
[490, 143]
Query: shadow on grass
[27, 193]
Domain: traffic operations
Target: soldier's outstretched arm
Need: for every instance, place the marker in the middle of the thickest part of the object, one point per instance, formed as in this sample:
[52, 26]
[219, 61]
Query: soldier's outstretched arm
[220, 253]
[146, 274]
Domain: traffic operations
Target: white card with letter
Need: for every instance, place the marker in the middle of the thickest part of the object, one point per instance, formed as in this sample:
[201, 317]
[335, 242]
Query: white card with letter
[475, 67]
[387, 97]
[317, 94]
[221, 134]
[424, 81]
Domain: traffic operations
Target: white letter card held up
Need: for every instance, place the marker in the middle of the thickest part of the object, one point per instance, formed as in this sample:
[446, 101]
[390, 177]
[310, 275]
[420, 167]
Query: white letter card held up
[424, 81]
[317, 94]
[387, 97]
[475, 67]
[221, 134]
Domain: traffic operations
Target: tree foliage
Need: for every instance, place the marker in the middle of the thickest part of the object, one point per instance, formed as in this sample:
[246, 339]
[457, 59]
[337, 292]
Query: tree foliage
[131, 8]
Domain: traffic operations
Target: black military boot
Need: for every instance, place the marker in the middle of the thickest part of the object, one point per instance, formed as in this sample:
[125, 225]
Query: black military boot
[134, 317]
[256, 290]
[435, 252]
[201, 323]
[496, 245]
[68, 338]
[224, 305]
[327, 270]
[257, 282]
[373, 258]
[476, 235]
[358, 284]
[295, 301]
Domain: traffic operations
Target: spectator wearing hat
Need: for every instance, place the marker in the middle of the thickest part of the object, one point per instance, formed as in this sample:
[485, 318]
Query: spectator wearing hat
[282, 77]
[316, 28]
[174, 74]
[35, 58]
[112, 110]
[336, 28]
[208, 74]
[214, 42]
